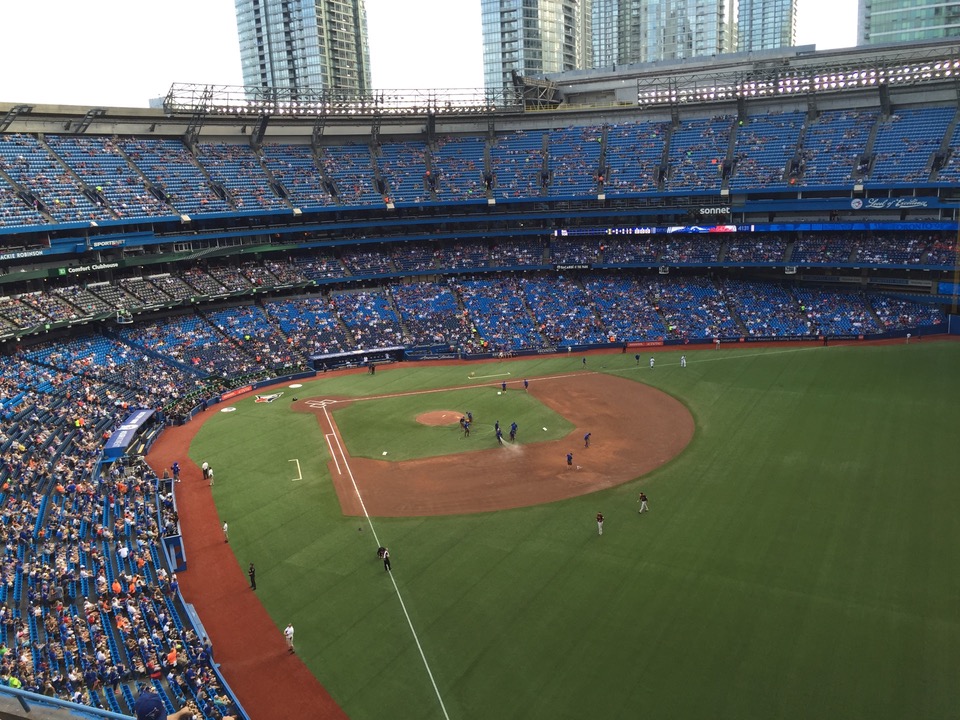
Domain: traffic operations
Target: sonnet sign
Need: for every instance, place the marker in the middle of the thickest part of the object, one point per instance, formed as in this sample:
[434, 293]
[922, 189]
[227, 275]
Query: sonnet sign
[714, 211]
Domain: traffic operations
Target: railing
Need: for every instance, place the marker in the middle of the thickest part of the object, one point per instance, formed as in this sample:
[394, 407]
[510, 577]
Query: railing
[186, 98]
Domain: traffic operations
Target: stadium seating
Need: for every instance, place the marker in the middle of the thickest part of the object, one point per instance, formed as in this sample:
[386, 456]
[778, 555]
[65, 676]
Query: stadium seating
[61, 178]
[98, 162]
[370, 318]
[296, 170]
[459, 163]
[209, 318]
[634, 154]
[311, 324]
[834, 313]
[238, 169]
[905, 144]
[824, 250]
[432, 315]
[766, 309]
[693, 309]
[29, 163]
[832, 146]
[625, 309]
[351, 169]
[403, 168]
[950, 172]
[499, 314]
[517, 164]
[698, 150]
[765, 144]
[574, 160]
[563, 312]
[171, 167]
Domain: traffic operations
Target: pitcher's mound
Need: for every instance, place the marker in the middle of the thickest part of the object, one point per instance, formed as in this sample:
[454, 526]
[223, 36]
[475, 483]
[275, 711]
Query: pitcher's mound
[439, 417]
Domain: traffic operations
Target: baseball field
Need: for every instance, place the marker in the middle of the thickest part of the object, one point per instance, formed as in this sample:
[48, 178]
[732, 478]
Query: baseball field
[801, 556]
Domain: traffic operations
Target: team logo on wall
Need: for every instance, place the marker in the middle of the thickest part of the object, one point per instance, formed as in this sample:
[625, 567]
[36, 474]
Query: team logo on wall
[856, 203]
[267, 398]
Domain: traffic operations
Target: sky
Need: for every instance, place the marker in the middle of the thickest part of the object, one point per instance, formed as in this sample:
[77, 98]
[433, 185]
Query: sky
[121, 53]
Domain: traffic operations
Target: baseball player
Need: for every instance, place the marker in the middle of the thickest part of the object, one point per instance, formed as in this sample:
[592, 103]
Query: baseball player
[643, 503]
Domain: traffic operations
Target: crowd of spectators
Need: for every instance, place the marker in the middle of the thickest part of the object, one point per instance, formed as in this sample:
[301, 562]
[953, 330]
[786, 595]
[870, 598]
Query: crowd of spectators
[238, 169]
[368, 260]
[257, 339]
[625, 310]
[633, 250]
[432, 315]
[692, 308]
[905, 142]
[88, 611]
[172, 168]
[897, 313]
[311, 324]
[414, 256]
[319, 266]
[690, 250]
[836, 313]
[370, 316]
[766, 249]
[350, 167]
[563, 312]
[824, 249]
[767, 309]
[89, 178]
[517, 253]
[187, 338]
[570, 250]
[502, 322]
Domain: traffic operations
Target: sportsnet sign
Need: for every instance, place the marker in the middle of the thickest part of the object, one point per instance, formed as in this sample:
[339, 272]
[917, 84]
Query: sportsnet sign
[267, 398]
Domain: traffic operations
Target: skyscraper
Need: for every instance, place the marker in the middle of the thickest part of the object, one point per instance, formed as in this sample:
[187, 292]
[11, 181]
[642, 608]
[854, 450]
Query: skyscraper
[619, 36]
[299, 44]
[887, 21]
[636, 31]
[766, 24]
[534, 37]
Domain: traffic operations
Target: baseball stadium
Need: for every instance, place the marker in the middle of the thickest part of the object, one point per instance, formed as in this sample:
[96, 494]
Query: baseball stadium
[319, 406]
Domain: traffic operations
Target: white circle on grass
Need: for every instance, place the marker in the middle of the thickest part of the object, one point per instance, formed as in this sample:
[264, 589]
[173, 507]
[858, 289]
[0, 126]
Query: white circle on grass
[229, 409]
[297, 385]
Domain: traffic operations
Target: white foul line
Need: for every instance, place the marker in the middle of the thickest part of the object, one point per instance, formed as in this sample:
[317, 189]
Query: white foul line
[299, 471]
[396, 589]
[332, 451]
[481, 377]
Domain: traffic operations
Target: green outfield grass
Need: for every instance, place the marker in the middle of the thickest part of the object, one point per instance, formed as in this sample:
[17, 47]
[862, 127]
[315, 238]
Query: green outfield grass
[390, 424]
[800, 559]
